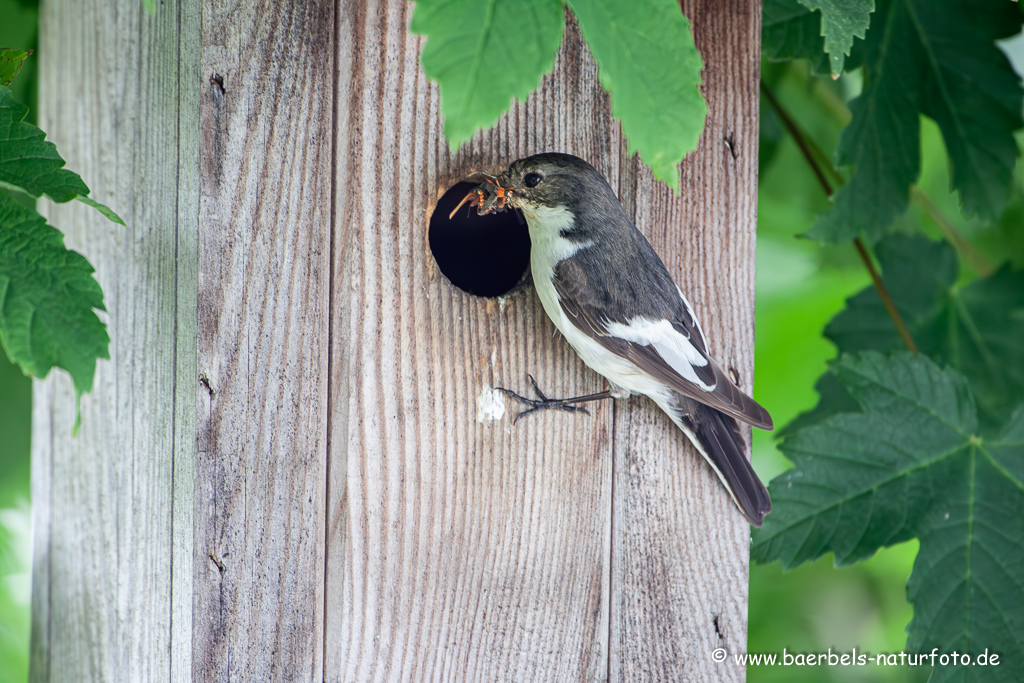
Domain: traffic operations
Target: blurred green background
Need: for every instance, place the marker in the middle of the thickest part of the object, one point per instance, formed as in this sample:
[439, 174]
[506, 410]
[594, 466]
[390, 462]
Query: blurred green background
[800, 286]
[18, 29]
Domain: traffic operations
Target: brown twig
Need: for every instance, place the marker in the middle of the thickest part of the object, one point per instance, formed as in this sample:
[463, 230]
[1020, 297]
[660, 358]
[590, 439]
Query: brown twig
[890, 307]
[817, 162]
[978, 262]
[798, 137]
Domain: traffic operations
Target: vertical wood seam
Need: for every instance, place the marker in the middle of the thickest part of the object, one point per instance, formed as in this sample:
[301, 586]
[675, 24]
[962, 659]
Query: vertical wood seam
[328, 441]
[174, 345]
[49, 538]
[609, 625]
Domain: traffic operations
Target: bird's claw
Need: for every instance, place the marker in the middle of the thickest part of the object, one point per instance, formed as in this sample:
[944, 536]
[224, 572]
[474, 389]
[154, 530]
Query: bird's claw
[540, 403]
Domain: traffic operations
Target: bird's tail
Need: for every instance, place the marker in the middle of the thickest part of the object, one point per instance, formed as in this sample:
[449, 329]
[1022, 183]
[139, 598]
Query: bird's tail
[717, 438]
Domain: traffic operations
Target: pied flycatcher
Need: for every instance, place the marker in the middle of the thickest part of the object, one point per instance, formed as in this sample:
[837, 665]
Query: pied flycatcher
[610, 295]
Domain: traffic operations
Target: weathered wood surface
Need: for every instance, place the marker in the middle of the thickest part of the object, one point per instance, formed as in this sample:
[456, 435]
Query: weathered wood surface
[261, 425]
[680, 550]
[107, 503]
[462, 550]
[566, 547]
[281, 474]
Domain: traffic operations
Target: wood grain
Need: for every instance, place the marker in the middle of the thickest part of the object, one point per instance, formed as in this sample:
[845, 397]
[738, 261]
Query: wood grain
[680, 549]
[468, 551]
[281, 474]
[264, 228]
[458, 550]
[106, 503]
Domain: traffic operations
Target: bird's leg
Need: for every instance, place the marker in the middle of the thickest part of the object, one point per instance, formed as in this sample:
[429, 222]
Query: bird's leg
[545, 403]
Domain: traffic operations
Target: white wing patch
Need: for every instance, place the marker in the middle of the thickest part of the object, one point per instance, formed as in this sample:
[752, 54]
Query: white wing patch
[549, 249]
[675, 348]
[689, 309]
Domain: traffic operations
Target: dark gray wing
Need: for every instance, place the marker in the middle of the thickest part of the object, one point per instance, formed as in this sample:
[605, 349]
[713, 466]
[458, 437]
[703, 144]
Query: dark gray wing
[720, 443]
[591, 304]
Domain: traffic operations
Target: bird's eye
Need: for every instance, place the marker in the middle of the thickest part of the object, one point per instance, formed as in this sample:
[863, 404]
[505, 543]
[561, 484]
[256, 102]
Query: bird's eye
[532, 179]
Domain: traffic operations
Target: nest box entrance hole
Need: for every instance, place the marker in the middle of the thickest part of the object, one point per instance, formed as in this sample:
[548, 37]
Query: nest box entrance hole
[483, 255]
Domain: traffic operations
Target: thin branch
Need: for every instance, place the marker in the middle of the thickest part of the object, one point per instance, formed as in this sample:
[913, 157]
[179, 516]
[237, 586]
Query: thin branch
[978, 262]
[823, 159]
[833, 102]
[817, 161]
[890, 307]
[798, 137]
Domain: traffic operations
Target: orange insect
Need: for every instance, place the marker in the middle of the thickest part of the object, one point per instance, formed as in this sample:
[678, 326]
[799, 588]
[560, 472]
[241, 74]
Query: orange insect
[487, 200]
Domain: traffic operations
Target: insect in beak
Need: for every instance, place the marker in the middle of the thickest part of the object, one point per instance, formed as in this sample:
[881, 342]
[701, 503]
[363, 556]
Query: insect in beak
[488, 197]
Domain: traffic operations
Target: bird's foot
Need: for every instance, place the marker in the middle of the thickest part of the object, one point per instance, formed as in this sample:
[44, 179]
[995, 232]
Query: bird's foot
[542, 402]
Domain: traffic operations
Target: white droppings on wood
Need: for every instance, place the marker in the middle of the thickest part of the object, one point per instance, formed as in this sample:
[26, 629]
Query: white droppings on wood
[490, 405]
[502, 301]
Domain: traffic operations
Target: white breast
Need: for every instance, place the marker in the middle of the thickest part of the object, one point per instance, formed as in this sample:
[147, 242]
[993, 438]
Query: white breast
[547, 250]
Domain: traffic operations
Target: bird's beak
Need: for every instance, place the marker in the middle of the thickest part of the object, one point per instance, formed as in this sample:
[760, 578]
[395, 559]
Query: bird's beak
[511, 193]
[490, 195]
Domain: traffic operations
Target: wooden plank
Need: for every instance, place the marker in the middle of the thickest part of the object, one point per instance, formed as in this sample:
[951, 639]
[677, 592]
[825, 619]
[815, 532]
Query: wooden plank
[432, 572]
[427, 545]
[459, 550]
[680, 548]
[186, 339]
[264, 242]
[109, 93]
[42, 483]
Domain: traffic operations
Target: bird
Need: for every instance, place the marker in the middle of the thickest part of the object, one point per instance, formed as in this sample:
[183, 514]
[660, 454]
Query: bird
[610, 295]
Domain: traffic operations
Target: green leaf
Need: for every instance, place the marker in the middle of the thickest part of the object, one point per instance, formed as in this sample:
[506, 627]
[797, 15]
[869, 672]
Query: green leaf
[102, 208]
[47, 297]
[31, 164]
[859, 478]
[938, 59]
[912, 464]
[791, 31]
[484, 53]
[977, 329]
[10, 64]
[649, 64]
[833, 398]
[966, 585]
[841, 22]
[771, 133]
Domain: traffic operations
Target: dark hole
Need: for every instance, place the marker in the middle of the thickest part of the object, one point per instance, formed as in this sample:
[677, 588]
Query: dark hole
[483, 255]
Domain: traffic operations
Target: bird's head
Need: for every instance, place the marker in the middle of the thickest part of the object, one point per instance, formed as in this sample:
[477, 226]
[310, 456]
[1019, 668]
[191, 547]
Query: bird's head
[552, 181]
[553, 191]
